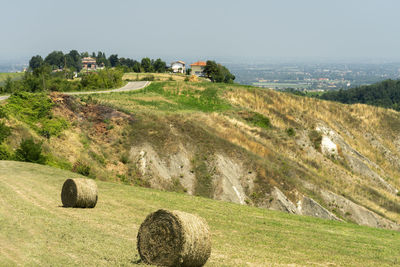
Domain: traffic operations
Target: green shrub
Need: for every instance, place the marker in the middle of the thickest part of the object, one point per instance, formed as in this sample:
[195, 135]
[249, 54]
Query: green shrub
[3, 113]
[149, 78]
[290, 132]
[29, 151]
[107, 78]
[99, 158]
[124, 158]
[29, 107]
[256, 119]
[316, 139]
[203, 185]
[4, 153]
[35, 109]
[4, 131]
[176, 186]
[81, 168]
[53, 127]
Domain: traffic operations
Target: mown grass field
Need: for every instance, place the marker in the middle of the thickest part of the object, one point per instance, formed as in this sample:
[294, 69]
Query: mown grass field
[36, 231]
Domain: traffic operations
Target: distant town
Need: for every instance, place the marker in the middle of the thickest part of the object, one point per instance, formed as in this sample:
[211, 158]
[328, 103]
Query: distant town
[313, 77]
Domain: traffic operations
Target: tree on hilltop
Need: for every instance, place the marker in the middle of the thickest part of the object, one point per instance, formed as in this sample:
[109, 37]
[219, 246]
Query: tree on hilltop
[73, 60]
[218, 73]
[102, 59]
[113, 59]
[55, 59]
[35, 62]
[159, 65]
[146, 65]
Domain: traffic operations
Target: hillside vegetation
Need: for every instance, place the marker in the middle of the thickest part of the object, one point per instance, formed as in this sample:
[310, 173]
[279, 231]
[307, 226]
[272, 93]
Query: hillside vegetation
[12, 76]
[383, 94]
[229, 142]
[36, 230]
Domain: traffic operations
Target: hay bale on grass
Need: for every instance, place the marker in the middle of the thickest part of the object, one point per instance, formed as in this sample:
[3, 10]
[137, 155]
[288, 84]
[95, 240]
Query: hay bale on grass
[79, 193]
[174, 238]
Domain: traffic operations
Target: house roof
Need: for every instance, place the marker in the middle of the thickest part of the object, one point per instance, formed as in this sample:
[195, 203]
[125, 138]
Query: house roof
[88, 59]
[199, 63]
[179, 61]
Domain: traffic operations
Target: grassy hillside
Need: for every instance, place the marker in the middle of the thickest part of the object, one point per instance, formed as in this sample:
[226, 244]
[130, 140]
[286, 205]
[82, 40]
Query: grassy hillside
[227, 118]
[36, 230]
[227, 142]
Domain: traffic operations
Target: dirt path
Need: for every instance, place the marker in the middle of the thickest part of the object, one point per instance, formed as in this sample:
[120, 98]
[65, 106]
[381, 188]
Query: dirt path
[130, 86]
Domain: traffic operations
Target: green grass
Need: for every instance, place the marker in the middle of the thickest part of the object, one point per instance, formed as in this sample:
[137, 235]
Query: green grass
[35, 109]
[170, 96]
[36, 230]
[12, 75]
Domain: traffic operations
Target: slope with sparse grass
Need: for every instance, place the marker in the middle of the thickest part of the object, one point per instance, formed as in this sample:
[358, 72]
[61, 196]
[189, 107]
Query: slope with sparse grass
[36, 230]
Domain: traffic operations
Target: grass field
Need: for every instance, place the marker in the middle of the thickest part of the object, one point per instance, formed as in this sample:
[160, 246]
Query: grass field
[36, 231]
[157, 76]
[12, 75]
[170, 96]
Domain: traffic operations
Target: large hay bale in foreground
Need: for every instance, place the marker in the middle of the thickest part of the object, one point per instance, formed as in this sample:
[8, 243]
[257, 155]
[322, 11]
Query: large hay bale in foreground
[174, 238]
[79, 193]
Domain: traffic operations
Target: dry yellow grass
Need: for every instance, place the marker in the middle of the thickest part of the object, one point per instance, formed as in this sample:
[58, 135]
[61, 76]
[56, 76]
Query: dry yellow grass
[352, 122]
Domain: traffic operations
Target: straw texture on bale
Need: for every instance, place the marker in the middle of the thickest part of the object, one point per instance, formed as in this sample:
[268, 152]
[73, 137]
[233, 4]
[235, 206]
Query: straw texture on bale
[174, 238]
[79, 193]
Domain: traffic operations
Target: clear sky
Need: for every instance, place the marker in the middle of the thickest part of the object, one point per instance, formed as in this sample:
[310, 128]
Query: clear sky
[232, 30]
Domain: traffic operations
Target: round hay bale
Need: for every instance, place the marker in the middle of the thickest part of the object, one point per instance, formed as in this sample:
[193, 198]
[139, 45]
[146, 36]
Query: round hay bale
[174, 238]
[79, 193]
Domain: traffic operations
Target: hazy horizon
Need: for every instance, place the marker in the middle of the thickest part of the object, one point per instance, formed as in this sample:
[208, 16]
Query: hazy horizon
[253, 31]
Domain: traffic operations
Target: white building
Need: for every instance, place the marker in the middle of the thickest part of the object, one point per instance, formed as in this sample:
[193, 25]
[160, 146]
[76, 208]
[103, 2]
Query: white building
[178, 67]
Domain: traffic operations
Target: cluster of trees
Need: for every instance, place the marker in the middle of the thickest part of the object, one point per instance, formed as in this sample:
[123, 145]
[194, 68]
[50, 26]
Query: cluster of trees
[57, 60]
[145, 65]
[73, 62]
[44, 79]
[384, 94]
[218, 73]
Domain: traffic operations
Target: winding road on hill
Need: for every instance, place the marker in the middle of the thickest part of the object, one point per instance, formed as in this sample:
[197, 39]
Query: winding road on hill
[130, 86]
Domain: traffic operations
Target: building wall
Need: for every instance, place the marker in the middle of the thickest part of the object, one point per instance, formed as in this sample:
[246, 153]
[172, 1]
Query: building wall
[198, 70]
[175, 67]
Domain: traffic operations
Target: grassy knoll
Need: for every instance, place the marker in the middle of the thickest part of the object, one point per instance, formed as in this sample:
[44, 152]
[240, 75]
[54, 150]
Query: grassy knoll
[35, 230]
[171, 96]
